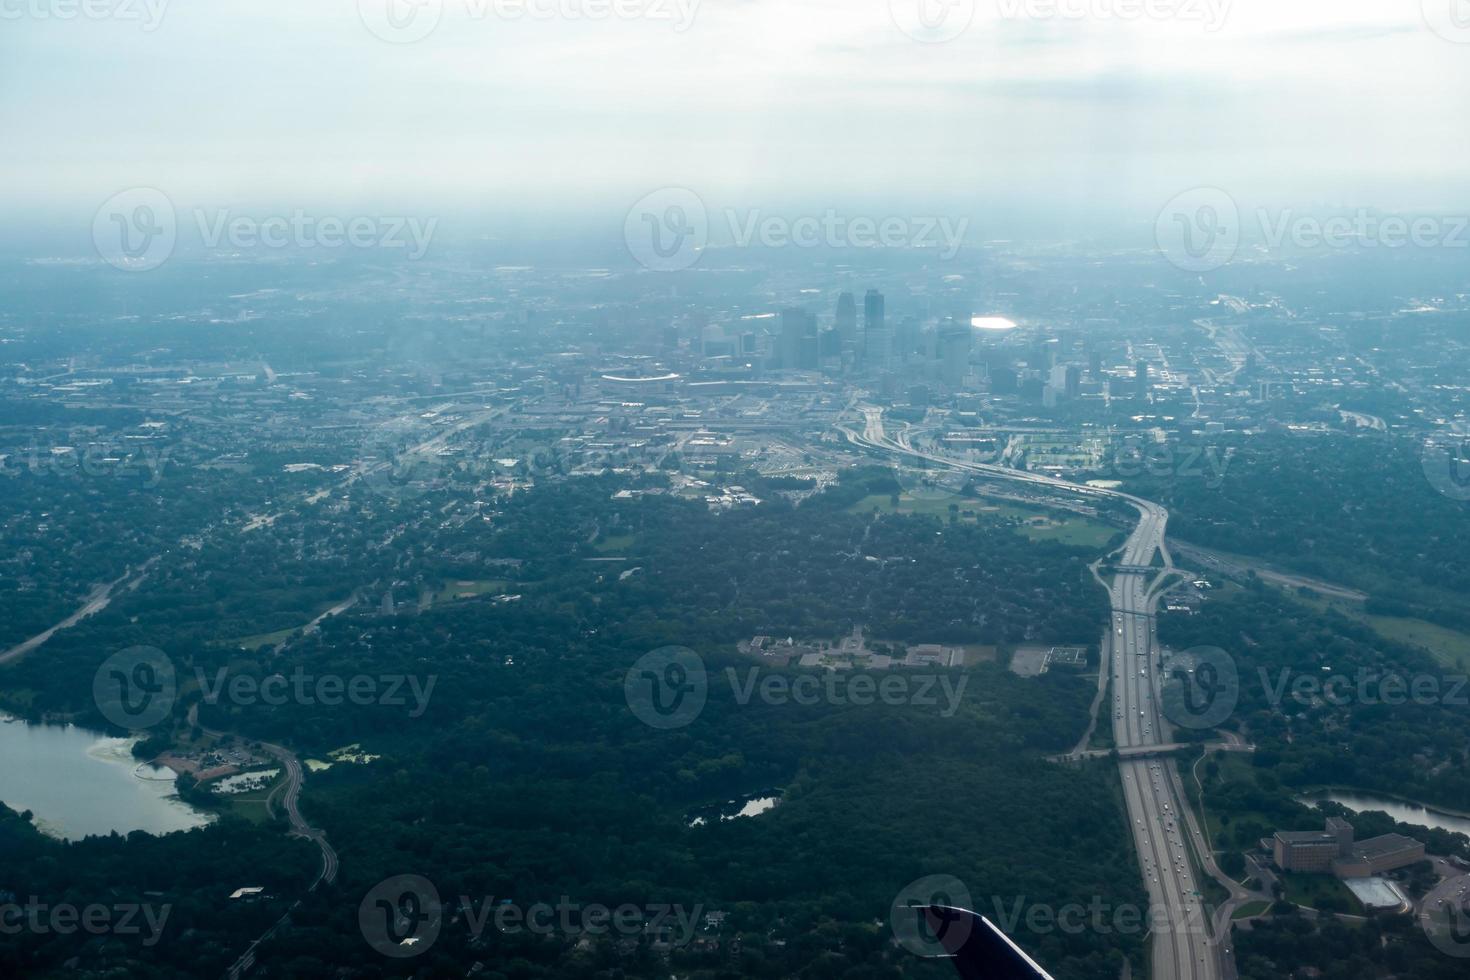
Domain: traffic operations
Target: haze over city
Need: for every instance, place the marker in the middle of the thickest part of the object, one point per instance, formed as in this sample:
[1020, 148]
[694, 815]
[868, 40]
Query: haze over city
[631, 489]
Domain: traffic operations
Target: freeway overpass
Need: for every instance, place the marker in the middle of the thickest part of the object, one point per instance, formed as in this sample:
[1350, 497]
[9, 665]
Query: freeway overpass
[1152, 751]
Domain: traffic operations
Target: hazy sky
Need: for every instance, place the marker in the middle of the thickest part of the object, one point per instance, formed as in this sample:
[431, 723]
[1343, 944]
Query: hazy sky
[756, 101]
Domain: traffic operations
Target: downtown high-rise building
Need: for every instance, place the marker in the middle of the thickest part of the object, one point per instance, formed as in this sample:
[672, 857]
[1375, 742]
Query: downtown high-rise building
[952, 347]
[797, 344]
[846, 324]
[877, 339]
[1073, 384]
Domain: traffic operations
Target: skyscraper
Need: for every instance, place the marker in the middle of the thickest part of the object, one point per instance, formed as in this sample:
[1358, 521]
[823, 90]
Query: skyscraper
[846, 324]
[877, 342]
[1073, 387]
[798, 344]
[873, 310]
[1141, 379]
[953, 348]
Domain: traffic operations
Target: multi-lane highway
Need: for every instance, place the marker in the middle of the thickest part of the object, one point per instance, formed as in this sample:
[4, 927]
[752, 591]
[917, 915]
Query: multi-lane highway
[1181, 945]
[1182, 949]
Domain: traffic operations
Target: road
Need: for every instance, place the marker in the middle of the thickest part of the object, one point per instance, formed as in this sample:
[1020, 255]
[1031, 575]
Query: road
[1442, 915]
[96, 601]
[1241, 568]
[289, 794]
[1182, 948]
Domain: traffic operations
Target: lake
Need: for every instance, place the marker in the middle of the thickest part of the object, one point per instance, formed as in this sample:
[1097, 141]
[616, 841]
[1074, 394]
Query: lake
[1398, 809]
[78, 782]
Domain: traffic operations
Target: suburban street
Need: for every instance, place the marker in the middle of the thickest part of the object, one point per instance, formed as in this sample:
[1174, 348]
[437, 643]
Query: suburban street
[1182, 948]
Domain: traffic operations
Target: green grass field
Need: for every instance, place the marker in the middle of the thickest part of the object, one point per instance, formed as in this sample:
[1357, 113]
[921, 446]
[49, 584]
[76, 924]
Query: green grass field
[1310, 890]
[615, 542]
[1450, 648]
[246, 806]
[457, 587]
[1060, 526]
[264, 639]
[1234, 767]
[1251, 909]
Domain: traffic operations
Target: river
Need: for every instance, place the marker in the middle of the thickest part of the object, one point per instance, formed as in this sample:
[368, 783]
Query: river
[78, 782]
[1403, 812]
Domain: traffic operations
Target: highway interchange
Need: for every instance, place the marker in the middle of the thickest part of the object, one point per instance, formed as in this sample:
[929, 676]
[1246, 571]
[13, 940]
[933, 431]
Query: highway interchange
[1182, 948]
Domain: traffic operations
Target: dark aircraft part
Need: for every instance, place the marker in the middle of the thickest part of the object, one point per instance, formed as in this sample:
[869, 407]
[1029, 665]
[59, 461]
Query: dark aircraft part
[978, 949]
